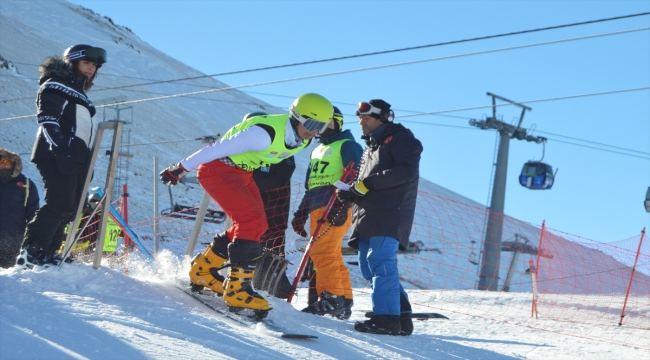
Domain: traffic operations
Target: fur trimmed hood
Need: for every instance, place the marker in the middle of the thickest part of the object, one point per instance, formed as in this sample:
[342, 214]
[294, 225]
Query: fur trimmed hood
[55, 66]
[15, 159]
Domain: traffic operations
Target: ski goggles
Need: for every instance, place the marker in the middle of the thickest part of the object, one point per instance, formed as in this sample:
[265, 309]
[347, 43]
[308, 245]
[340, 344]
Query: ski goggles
[309, 123]
[5, 162]
[365, 108]
[96, 55]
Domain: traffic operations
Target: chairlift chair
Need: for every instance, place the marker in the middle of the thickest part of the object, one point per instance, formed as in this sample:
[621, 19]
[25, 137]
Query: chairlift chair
[189, 212]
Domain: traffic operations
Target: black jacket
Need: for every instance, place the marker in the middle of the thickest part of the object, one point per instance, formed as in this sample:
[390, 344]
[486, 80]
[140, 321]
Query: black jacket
[64, 113]
[275, 176]
[390, 169]
[18, 204]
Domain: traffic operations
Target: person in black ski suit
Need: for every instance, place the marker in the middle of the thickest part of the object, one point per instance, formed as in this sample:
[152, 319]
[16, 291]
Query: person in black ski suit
[18, 203]
[61, 151]
[384, 197]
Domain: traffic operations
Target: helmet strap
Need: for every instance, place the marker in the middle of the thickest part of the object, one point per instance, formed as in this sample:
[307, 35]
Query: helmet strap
[294, 125]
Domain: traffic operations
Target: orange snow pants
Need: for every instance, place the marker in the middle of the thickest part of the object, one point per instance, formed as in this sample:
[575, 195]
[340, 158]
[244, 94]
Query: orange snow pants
[239, 197]
[331, 273]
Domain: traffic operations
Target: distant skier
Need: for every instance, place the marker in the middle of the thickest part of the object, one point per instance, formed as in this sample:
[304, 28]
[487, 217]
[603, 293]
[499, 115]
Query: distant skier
[225, 171]
[61, 150]
[384, 197]
[328, 160]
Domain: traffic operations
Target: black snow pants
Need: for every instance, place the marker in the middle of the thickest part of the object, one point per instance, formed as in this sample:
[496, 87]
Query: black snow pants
[62, 196]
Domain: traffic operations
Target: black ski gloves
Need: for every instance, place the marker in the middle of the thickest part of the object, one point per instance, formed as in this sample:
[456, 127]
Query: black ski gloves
[300, 218]
[298, 223]
[356, 192]
[173, 174]
[338, 214]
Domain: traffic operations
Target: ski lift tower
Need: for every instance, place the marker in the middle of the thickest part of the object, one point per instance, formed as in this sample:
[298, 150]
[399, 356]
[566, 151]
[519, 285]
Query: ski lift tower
[489, 271]
[113, 111]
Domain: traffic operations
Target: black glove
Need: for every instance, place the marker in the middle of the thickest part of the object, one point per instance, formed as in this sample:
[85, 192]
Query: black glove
[172, 174]
[356, 192]
[338, 214]
[300, 217]
[298, 223]
[345, 197]
[65, 161]
[337, 219]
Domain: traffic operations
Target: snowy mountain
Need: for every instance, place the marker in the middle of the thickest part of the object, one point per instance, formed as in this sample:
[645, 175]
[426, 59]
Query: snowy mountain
[157, 126]
[78, 312]
[164, 128]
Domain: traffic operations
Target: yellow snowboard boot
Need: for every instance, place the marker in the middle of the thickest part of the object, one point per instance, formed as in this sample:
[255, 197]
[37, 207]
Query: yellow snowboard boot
[238, 288]
[239, 293]
[205, 266]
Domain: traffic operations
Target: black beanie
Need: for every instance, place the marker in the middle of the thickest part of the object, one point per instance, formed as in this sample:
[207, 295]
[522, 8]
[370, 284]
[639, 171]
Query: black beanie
[384, 106]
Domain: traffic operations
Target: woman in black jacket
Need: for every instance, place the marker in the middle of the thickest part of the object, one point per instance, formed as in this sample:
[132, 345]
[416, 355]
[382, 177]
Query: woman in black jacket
[61, 150]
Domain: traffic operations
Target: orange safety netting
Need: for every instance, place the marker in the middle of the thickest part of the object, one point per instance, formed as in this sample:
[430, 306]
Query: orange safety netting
[578, 281]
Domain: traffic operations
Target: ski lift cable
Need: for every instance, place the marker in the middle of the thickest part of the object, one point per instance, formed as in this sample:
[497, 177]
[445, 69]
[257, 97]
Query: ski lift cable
[529, 101]
[647, 157]
[596, 143]
[367, 69]
[383, 51]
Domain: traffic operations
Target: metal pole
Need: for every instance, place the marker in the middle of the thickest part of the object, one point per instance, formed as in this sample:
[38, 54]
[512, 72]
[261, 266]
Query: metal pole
[156, 225]
[74, 226]
[198, 223]
[533, 279]
[489, 277]
[511, 271]
[110, 179]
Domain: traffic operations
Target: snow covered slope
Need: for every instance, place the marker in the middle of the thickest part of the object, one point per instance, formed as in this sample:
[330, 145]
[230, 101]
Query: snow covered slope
[164, 128]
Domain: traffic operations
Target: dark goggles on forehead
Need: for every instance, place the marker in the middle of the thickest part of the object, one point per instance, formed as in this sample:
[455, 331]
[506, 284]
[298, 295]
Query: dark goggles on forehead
[309, 123]
[367, 109]
[96, 55]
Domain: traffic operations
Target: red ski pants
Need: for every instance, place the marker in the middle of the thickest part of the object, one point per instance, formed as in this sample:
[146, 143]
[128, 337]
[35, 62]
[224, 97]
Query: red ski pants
[239, 197]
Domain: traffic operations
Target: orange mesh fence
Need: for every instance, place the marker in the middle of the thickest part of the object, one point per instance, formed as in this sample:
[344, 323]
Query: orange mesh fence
[586, 282]
[581, 284]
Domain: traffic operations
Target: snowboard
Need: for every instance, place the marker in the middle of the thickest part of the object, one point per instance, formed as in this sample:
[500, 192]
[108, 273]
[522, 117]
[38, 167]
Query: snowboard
[419, 316]
[212, 301]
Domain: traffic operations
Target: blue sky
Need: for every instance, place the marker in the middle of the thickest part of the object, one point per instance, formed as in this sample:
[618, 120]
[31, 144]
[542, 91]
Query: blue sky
[600, 143]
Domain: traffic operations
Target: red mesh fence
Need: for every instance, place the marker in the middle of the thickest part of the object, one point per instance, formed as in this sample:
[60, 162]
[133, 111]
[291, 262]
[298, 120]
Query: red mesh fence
[581, 284]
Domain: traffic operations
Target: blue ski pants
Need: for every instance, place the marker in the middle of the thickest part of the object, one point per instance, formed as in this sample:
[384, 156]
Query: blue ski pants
[378, 264]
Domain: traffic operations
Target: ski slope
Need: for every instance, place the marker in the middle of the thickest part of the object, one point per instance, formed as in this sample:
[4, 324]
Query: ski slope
[77, 312]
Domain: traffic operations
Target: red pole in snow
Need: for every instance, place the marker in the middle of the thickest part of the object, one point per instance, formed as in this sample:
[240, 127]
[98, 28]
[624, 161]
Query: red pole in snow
[629, 285]
[125, 214]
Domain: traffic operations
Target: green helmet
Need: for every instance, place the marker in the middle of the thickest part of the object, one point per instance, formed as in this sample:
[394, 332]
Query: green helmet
[313, 111]
[338, 117]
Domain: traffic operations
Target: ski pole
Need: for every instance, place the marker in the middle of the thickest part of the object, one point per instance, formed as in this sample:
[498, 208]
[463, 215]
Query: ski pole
[349, 170]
